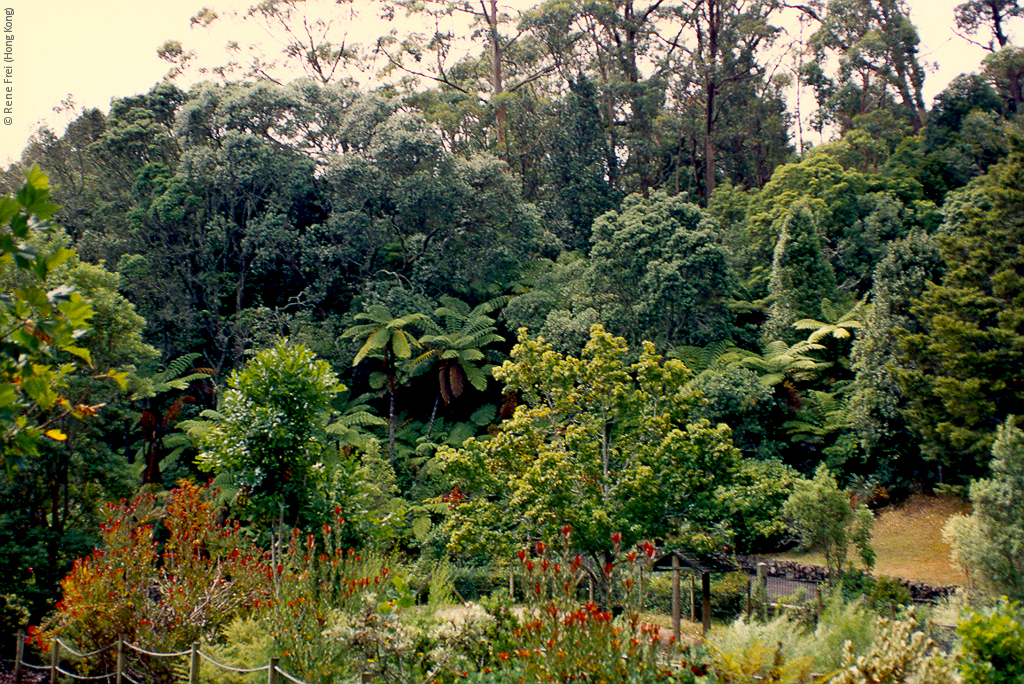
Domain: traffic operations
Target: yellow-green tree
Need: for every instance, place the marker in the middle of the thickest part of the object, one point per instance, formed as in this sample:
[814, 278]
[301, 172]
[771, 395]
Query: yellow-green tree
[597, 443]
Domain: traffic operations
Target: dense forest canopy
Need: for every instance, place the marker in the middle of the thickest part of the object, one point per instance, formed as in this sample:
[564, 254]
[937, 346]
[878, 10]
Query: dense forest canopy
[615, 185]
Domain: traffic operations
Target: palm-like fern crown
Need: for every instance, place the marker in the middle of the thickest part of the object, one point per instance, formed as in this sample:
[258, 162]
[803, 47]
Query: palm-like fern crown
[384, 332]
[458, 344]
[837, 324]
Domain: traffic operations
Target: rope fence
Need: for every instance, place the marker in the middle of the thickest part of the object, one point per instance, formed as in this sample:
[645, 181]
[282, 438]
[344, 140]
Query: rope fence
[63, 656]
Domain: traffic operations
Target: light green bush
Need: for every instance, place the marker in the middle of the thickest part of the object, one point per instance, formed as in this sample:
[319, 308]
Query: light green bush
[899, 654]
[993, 644]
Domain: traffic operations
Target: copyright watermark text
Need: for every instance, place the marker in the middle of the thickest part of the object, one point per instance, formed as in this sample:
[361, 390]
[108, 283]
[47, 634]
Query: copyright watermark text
[7, 57]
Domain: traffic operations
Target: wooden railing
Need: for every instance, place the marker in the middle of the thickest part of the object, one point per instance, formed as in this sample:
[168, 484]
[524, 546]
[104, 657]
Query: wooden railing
[60, 652]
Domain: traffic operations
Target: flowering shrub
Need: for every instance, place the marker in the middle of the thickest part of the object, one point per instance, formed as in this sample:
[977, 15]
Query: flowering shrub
[329, 604]
[164, 595]
[557, 638]
[331, 613]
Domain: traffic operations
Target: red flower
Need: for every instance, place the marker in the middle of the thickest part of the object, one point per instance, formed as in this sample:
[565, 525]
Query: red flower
[540, 548]
[649, 549]
[566, 531]
[608, 568]
[522, 555]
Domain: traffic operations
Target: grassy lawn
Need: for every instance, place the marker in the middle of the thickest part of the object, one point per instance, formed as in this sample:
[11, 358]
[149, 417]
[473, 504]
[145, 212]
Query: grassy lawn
[908, 541]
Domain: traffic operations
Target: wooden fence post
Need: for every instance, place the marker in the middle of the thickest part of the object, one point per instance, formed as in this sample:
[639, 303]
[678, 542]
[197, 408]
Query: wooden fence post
[705, 606]
[762, 585]
[19, 655]
[54, 661]
[272, 674]
[676, 627]
[193, 664]
[119, 673]
[693, 596]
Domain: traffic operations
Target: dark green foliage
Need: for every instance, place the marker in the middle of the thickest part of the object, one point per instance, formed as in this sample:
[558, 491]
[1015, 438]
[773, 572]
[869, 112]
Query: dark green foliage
[580, 172]
[989, 544]
[964, 135]
[66, 333]
[877, 400]
[964, 369]
[238, 213]
[736, 396]
[801, 276]
[659, 273]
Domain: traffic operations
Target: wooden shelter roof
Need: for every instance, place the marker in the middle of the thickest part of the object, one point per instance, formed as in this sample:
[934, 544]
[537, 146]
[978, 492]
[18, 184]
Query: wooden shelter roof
[700, 562]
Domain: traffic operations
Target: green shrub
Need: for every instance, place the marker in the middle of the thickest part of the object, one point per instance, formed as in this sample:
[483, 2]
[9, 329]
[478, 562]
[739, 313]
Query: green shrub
[728, 595]
[245, 644]
[841, 621]
[474, 583]
[889, 594]
[748, 649]
[993, 645]
[885, 595]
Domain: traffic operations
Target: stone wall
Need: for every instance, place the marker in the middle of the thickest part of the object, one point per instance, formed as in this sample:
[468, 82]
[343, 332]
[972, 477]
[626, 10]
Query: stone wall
[798, 572]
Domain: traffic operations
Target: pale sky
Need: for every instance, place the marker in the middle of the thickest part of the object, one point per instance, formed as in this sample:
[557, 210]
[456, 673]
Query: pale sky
[96, 50]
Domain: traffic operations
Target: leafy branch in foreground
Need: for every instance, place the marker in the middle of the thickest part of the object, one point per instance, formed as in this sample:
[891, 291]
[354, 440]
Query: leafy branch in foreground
[40, 328]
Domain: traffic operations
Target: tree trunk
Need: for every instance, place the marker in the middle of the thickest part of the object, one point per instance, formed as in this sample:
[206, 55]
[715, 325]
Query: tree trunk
[714, 19]
[433, 416]
[497, 87]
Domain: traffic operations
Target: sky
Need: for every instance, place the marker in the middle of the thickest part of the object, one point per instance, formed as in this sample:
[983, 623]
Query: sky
[96, 50]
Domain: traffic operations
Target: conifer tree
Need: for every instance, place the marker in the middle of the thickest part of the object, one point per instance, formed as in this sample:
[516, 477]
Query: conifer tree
[964, 370]
[990, 543]
[876, 399]
[801, 275]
